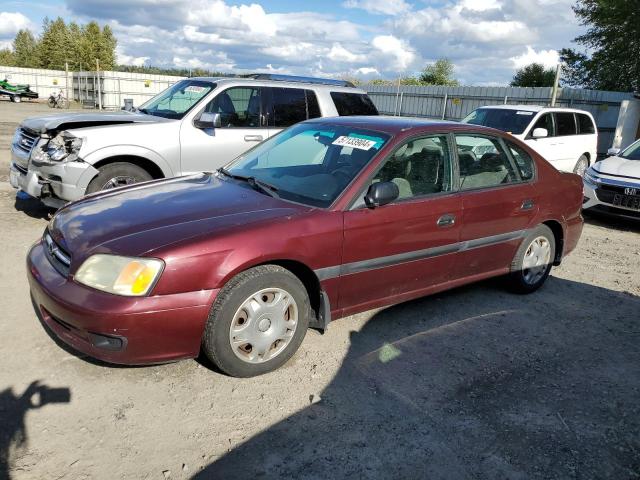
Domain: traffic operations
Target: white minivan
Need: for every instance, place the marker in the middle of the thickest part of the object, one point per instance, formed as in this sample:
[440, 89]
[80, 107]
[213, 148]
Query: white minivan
[566, 137]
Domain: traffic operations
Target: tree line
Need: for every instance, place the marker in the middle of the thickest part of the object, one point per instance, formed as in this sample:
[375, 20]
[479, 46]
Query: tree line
[60, 43]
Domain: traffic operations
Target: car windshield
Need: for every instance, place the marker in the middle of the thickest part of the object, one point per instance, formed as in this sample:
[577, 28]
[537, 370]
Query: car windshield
[310, 163]
[178, 99]
[632, 152]
[512, 121]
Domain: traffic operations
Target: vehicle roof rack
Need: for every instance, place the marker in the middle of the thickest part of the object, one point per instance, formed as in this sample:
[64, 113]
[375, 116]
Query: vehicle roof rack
[295, 78]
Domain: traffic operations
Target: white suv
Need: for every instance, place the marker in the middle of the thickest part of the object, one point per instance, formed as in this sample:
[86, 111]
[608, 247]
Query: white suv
[565, 137]
[198, 124]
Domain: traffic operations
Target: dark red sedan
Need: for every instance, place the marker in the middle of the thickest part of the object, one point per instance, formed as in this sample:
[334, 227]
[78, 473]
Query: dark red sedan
[328, 218]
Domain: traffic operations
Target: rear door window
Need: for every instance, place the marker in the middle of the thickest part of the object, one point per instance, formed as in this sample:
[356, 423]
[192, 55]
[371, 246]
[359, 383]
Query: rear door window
[313, 108]
[566, 124]
[524, 162]
[289, 106]
[483, 163]
[585, 125]
[353, 104]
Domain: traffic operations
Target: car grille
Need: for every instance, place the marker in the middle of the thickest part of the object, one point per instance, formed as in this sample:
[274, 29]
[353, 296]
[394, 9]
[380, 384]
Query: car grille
[60, 259]
[605, 192]
[26, 141]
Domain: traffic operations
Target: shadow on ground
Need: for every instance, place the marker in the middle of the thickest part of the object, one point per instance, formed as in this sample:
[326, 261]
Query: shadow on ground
[32, 206]
[13, 410]
[473, 383]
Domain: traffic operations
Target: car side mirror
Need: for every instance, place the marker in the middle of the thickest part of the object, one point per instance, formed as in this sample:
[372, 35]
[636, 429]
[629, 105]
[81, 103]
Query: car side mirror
[540, 133]
[612, 152]
[381, 193]
[208, 120]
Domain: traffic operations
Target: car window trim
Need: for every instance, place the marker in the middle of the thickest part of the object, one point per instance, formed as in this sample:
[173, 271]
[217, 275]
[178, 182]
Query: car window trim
[551, 134]
[503, 145]
[357, 201]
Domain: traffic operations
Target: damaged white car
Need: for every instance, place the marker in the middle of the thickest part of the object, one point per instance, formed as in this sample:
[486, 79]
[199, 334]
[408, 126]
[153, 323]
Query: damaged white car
[196, 125]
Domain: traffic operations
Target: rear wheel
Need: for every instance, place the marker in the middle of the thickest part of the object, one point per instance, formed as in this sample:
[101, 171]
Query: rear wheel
[51, 102]
[581, 166]
[257, 322]
[16, 98]
[118, 174]
[533, 261]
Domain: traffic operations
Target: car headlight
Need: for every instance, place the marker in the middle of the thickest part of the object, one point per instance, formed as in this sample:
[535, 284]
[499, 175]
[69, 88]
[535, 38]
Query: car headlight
[62, 147]
[120, 275]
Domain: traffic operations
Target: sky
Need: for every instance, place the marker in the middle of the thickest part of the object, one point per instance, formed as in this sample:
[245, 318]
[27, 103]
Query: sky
[487, 40]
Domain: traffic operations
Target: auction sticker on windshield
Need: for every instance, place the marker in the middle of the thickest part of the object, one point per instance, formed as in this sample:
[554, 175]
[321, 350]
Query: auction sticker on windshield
[353, 142]
[194, 89]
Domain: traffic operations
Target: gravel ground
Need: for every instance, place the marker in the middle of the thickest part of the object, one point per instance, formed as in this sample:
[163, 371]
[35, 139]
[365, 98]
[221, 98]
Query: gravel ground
[473, 383]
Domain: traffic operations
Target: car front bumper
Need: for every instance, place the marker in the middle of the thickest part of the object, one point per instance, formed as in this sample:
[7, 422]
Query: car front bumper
[116, 329]
[54, 184]
[599, 198]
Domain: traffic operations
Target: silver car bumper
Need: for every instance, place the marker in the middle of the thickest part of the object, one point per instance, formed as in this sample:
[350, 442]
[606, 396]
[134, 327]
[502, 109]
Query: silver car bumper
[54, 184]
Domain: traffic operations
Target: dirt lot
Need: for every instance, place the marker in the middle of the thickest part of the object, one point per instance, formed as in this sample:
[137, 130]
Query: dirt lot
[473, 383]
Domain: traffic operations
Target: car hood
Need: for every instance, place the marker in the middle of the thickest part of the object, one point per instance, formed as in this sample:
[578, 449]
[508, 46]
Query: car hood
[619, 166]
[78, 120]
[139, 219]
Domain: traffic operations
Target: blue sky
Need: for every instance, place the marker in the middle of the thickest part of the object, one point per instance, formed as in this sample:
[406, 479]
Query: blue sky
[485, 39]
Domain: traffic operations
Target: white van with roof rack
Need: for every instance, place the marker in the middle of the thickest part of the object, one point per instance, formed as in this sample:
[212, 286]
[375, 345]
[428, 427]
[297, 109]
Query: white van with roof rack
[566, 137]
[198, 124]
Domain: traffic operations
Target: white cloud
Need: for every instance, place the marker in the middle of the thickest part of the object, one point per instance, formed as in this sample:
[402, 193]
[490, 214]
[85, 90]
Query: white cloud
[11, 22]
[340, 54]
[397, 52]
[548, 58]
[480, 5]
[382, 7]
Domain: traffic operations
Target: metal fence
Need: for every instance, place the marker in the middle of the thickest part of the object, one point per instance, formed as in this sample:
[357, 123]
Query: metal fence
[454, 103]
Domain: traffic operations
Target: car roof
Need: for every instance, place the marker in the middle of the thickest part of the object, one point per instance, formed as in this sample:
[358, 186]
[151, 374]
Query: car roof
[283, 83]
[394, 125]
[533, 108]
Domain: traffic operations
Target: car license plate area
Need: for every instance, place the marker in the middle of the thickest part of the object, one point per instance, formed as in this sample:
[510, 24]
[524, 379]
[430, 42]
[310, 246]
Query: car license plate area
[627, 201]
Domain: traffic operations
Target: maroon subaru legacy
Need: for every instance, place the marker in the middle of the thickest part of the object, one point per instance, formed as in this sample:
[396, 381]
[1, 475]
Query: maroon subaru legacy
[326, 219]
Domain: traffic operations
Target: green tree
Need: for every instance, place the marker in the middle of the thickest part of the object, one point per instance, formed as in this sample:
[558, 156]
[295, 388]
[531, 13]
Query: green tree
[55, 45]
[7, 58]
[25, 49]
[613, 37]
[439, 73]
[534, 75]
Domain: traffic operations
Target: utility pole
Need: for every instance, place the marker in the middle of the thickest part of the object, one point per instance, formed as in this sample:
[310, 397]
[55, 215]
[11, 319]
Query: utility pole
[554, 93]
[66, 82]
[98, 82]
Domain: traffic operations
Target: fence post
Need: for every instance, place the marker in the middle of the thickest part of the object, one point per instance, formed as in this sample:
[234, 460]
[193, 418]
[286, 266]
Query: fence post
[505, 99]
[444, 105]
[400, 104]
[554, 93]
[66, 82]
[98, 82]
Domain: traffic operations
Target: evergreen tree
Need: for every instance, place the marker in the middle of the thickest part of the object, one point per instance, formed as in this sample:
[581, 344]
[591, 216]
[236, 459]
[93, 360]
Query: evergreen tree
[54, 47]
[25, 50]
[7, 58]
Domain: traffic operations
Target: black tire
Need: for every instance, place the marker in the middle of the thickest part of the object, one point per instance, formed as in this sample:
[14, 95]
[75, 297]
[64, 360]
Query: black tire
[117, 170]
[518, 281]
[216, 342]
[51, 102]
[15, 98]
[581, 165]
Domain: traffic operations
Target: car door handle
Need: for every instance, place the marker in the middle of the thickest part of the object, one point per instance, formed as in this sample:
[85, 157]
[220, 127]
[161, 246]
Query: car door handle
[527, 204]
[253, 138]
[446, 220]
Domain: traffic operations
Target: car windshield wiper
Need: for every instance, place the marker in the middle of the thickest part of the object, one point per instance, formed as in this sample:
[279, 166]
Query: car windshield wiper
[253, 182]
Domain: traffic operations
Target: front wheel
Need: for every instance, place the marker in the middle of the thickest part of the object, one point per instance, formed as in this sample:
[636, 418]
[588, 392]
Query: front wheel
[51, 102]
[581, 166]
[16, 98]
[257, 322]
[533, 261]
[118, 174]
